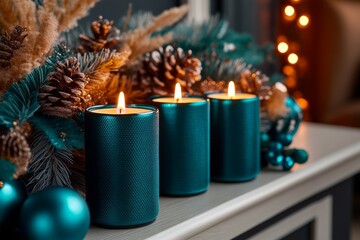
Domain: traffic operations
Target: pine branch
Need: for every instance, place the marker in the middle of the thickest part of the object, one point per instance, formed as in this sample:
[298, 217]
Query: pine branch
[98, 66]
[19, 102]
[49, 166]
[59, 54]
[64, 134]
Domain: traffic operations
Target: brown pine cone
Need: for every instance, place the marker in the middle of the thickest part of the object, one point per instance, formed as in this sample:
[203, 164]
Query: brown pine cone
[9, 43]
[254, 83]
[163, 68]
[15, 148]
[63, 95]
[102, 31]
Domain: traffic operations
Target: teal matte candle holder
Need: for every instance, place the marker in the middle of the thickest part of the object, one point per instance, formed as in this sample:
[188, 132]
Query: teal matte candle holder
[184, 146]
[235, 137]
[122, 166]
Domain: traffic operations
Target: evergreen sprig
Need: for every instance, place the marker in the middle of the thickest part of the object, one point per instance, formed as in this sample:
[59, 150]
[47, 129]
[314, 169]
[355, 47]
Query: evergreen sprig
[49, 166]
[64, 134]
[19, 102]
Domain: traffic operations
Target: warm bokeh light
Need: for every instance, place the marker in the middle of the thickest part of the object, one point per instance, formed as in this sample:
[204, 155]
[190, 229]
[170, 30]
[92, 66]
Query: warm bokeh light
[289, 70]
[295, 1]
[231, 89]
[177, 95]
[289, 11]
[291, 82]
[303, 21]
[121, 103]
[303, 103]
[282, 47]
[293, 58]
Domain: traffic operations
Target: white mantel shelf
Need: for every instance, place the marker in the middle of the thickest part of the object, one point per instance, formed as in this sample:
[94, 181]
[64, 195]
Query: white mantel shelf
[229, 209]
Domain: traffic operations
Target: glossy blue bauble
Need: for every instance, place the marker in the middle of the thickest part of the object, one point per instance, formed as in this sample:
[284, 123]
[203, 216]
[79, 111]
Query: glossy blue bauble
[277, 147]
[288, 163]
[55, 213]
[285, 138]
[273, 158]
[12, 196]
[299, 155]
[264, 139]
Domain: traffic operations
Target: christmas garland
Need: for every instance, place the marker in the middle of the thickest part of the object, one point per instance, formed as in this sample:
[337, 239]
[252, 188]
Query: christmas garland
[51, 72]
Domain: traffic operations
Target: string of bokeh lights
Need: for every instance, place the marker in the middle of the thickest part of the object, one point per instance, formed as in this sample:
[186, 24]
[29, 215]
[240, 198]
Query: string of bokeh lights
[291, 12]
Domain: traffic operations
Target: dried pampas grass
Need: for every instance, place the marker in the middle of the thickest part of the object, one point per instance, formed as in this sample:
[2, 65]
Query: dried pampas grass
[43, 24]
[139, 41]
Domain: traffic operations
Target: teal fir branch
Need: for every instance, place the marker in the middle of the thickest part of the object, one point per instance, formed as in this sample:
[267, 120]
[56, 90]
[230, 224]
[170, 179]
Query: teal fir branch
[48, 166]
[64, 134]
[71, 38]
[19, 102]
[216, 37]
[60, 53]
[218, 69]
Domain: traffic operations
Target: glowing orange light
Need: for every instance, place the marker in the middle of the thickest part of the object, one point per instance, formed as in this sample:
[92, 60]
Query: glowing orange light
[293, 58]
[303, 103]
[177, 95]
[303, 21]
[231, 89]
[121, 104]
[289, 10]
[291, 82]
[289, 70]
[282, 47]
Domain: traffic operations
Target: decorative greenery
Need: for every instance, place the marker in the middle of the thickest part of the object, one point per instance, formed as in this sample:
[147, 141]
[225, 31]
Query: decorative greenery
[49, 166]
[63, 134]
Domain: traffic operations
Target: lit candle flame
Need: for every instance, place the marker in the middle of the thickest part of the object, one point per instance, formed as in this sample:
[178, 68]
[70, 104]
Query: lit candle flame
[231, 89]
[121, 104]
[177, 96]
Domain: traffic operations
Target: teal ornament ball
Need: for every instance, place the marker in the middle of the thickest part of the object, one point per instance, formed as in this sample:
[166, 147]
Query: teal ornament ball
[277, 147]
[288, 163]
[12, 196]
[299, 155]
[55, 213]
[285, 138]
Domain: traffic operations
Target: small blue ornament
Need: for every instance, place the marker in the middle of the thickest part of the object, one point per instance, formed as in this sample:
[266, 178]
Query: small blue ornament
[285, 138]
[55, 213]
[12, 196]
[277, 147]
[299, 155]
[277, 160]
[288, 163]
[264, 139]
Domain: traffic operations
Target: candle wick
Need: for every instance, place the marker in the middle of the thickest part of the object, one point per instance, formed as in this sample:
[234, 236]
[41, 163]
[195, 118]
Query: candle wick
[121, 110]
[177, 100]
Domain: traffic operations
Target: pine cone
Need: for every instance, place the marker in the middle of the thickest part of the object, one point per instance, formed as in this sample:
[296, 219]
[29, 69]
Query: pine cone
[101, 29]
[254, 83]
[15, 148]
[163, 68]
[64, 94]
[9, 43]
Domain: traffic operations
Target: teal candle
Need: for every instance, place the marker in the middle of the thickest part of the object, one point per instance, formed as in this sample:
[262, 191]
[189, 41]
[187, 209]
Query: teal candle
[122, 165]
[184, 145]
[235, 137]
